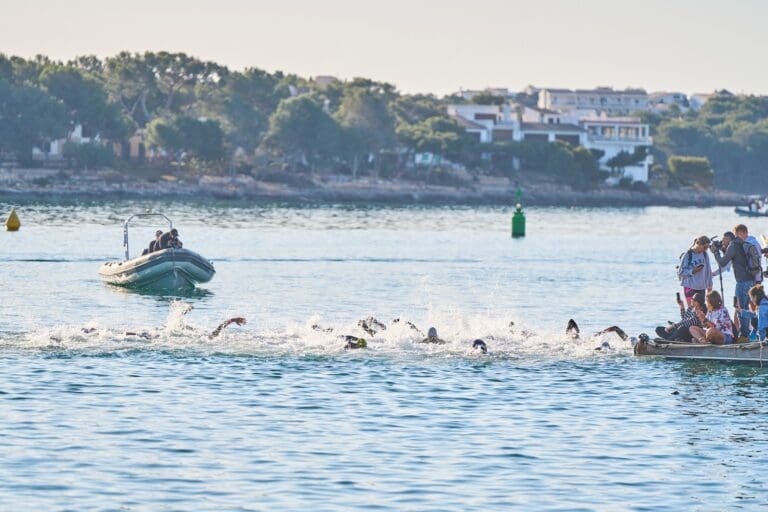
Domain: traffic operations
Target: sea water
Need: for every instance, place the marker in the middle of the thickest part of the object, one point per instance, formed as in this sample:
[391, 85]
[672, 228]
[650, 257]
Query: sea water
[276, 415]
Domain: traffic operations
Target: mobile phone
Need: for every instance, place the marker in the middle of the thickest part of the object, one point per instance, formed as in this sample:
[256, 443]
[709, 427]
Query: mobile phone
[735, 302]
[678, 297]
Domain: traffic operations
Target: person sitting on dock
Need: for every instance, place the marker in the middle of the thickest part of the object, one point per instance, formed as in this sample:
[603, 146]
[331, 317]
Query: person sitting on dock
[717, 322]
[689, 317]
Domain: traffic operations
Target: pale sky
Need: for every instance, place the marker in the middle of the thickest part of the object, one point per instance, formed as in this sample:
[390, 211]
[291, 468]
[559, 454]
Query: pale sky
[424, 45]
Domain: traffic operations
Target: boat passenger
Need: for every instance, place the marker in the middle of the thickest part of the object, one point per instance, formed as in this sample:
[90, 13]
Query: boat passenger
[154, 245]
[432, 337]
[736, 252]
[695, 270]
[759, 304]
[171, 240]
[689, 317]
[717, 322]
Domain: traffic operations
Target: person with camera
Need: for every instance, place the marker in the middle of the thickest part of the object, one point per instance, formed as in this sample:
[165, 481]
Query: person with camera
[743, 253]
[695, 270]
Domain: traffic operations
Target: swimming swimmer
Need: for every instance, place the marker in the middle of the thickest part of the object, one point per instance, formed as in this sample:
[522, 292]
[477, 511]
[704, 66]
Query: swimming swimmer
[370, 325]
[572, 329]
[480, 345]
[353, 342]
[432, 337]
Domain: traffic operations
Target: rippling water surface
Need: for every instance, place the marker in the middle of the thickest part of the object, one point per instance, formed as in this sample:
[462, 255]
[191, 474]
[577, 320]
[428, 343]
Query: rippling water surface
[277, 415]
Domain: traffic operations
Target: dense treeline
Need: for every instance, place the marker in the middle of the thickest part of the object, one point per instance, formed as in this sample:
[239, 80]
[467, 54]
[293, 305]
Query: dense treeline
[205, 115]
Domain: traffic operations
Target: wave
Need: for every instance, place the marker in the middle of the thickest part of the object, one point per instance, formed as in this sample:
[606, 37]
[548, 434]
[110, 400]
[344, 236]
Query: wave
[396, 339]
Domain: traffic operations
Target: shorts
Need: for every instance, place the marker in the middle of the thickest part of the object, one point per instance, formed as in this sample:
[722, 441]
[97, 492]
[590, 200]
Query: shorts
[690, 292]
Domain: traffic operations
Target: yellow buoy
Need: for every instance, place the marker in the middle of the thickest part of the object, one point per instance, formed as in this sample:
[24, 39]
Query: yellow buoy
[13, 223]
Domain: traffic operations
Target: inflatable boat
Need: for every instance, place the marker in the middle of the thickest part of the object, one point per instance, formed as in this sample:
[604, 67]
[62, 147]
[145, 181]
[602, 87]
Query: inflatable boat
[163, 270]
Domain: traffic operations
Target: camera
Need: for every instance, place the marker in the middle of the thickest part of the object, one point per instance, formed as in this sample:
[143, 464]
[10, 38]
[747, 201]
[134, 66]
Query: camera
[716, 244]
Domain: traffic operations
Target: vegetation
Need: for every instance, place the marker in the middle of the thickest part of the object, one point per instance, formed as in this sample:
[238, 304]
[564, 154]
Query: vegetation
[201, 114]
[691, 170]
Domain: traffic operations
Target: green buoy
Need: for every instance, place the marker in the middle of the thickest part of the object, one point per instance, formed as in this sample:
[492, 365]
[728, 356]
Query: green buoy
[518, 222]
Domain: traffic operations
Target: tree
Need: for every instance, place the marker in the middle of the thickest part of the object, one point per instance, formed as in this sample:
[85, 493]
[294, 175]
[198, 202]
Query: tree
[177, 72]
[369, 126]
[300, 128]
[28, 117]
[86, 100]
[200, 138]
[689, 170]
[488, 99]
[131, 83]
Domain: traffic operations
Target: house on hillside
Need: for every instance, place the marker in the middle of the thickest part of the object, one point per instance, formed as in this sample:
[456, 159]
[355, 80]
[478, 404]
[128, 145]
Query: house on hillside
[512, 122]
[662, 101]
[602, 100]
[53, 151]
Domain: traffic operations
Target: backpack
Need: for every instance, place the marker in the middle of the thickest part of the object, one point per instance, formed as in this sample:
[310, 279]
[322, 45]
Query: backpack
[680, 266]
[752, 256]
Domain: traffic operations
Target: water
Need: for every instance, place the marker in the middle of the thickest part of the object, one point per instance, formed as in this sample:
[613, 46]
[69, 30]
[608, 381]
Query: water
[275, 415]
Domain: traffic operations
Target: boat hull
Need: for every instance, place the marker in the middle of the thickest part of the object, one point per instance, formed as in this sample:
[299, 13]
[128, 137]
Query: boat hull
[745, 212]
[753, 353]
[169, 269]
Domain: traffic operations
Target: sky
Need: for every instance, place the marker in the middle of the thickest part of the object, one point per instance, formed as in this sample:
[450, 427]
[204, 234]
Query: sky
[424, 46]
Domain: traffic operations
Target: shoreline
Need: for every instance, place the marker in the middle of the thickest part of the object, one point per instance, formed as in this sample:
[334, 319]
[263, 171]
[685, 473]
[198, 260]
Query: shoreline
[46, 185]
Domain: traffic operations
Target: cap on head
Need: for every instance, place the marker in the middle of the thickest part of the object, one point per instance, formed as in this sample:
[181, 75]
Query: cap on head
[175, 232]
[432, 332]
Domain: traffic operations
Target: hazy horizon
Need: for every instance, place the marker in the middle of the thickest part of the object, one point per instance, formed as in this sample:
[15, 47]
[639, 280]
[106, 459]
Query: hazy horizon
[428, 47]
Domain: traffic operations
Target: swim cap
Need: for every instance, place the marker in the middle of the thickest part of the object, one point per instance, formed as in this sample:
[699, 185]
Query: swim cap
[432, 333]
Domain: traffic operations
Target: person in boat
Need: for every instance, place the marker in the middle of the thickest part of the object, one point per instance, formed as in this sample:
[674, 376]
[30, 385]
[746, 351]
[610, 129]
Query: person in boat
[758, 305]
[736, 252]
[171, 240]
[716, 324]
[432, 337]
[154, 245]
[689, 317]
[695, 270]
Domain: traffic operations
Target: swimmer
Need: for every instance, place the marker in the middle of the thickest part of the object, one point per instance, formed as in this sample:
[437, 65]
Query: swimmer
[353, 342]
[409, 324]
[322, 329]
[223, 325]
[480, 345]
[432, 337]
[618, 330]
[572, 329]
[370, 325]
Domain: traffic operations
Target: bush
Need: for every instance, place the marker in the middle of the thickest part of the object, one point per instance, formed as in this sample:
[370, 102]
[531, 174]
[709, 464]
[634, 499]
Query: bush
[89, 156]
[691, 170]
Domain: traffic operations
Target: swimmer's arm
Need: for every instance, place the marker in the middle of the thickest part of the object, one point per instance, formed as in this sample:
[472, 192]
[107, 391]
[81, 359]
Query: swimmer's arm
[236, 320]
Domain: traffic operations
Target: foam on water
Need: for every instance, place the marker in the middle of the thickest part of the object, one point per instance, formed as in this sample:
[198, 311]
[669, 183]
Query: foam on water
[314, 338]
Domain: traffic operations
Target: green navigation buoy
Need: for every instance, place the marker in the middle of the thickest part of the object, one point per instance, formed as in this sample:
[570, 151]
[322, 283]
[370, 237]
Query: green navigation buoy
[518, 222]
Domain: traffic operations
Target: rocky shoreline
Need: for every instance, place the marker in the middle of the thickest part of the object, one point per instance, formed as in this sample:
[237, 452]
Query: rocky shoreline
[39, 184]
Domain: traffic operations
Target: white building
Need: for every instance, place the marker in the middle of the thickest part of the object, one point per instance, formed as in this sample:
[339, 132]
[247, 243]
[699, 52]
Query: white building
[602, 99]
[662, 101]
[54, 150]
[511, 122]
[469, 94]
[612, 135]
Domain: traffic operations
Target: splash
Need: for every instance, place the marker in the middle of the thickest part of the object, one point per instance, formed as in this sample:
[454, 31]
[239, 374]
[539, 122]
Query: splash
[400, 337]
